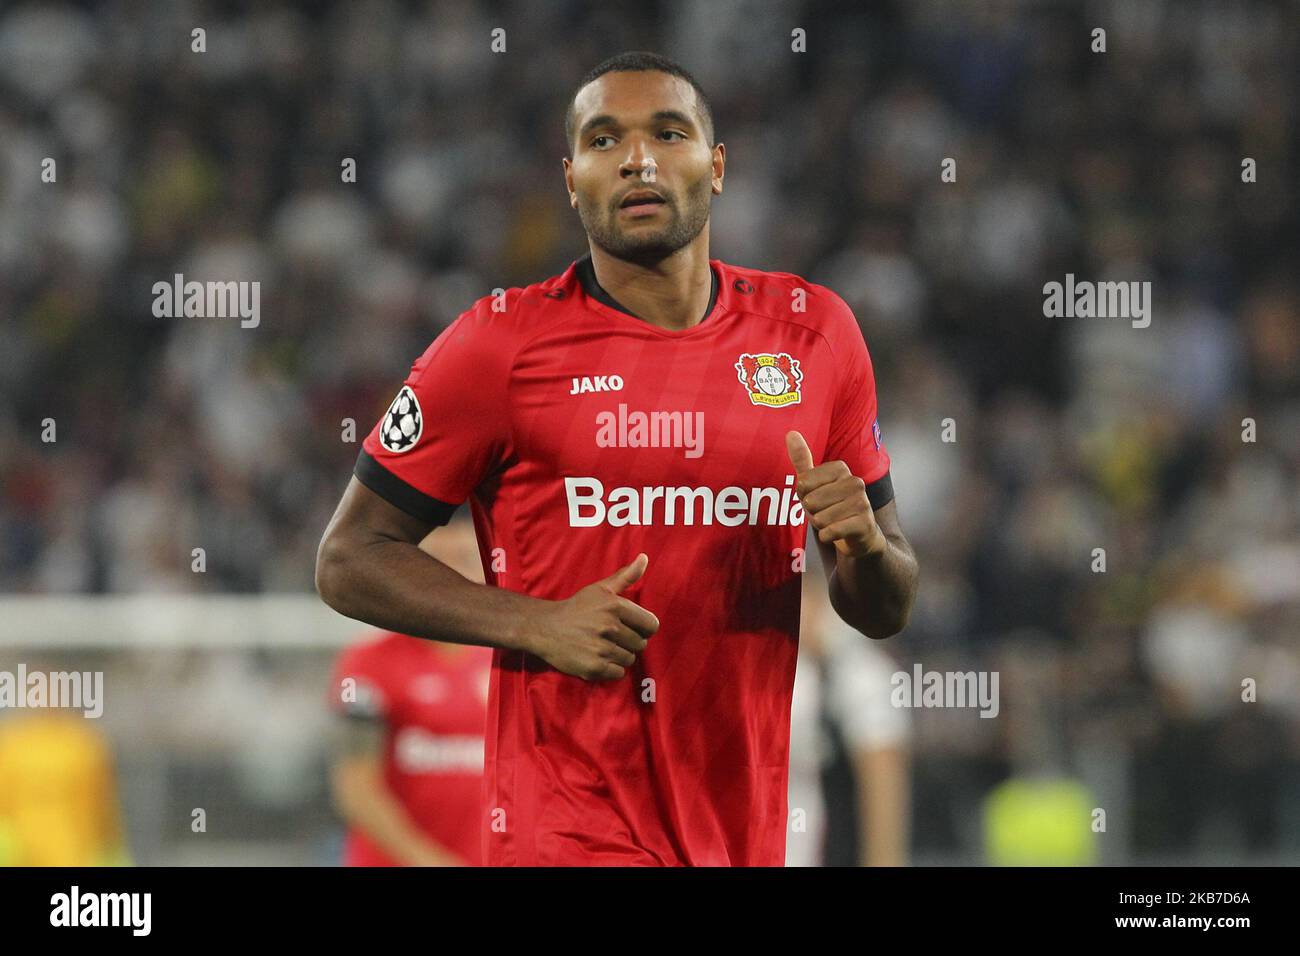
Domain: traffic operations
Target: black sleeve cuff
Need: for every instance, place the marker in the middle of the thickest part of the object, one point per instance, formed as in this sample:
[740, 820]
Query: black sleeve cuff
[399, 494]
[880, 492]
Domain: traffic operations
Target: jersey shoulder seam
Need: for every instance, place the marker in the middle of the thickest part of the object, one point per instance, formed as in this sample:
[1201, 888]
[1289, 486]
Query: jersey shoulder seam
[822, 292]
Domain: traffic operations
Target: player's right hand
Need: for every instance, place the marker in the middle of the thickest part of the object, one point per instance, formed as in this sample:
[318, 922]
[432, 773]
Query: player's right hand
[597, 633]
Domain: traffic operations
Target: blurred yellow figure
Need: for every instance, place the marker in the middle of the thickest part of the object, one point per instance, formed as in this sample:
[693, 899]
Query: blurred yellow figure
[58, 799]
[1039, 821]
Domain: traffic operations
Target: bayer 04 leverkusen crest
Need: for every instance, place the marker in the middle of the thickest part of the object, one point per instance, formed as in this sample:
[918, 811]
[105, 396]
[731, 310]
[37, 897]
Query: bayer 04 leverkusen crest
[772, 380]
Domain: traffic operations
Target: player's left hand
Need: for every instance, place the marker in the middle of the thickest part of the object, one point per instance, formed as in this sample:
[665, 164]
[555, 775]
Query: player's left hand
[835, 501]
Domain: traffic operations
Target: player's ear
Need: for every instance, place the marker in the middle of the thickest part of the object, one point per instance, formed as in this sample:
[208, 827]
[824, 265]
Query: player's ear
[568, 181]
[719, 167]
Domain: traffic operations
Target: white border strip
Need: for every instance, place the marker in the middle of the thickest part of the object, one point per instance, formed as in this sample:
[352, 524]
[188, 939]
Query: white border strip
[173, 620]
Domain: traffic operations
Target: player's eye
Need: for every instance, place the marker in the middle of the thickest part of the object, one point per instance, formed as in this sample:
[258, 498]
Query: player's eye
[673, 132]
[595, 142]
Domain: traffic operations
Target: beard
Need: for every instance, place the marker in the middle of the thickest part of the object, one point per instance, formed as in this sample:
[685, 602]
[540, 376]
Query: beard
[648, 246]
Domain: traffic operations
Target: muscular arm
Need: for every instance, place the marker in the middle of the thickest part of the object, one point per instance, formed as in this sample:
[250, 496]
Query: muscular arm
[874, 593]
[370, 567]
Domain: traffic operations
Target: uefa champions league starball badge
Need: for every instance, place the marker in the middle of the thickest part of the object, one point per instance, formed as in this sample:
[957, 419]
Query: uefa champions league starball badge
[772, 380]
[403, 424]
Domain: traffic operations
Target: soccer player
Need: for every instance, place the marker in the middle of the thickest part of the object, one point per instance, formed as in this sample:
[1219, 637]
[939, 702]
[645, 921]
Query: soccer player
[643, 441]
[849, 748]
[407, 772]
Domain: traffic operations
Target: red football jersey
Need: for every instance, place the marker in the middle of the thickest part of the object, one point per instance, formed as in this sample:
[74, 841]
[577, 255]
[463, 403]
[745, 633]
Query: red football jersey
[433, 701]
[582, 435]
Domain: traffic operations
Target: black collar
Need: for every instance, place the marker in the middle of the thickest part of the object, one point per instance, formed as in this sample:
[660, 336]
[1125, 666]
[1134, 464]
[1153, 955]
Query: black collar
[587, 276]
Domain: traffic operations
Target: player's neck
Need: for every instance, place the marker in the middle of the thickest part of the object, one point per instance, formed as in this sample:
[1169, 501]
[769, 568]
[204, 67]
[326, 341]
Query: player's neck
[672, 294]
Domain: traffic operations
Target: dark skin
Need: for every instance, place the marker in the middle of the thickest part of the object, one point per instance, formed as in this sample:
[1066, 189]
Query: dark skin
[644, 131]
[370, 567]
[871, 569]
[634, 131]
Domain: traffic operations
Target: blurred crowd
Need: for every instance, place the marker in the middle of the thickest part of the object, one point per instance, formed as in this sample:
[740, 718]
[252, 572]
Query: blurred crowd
[1160, 673]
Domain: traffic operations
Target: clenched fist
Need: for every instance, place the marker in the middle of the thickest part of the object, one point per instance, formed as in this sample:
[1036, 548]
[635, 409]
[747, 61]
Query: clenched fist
[835, 501]
[597, 633]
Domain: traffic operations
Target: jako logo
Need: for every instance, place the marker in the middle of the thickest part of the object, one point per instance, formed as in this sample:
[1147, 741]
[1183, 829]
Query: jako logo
[102, 909]
[600, 383]
[212, 300]
[732, 506]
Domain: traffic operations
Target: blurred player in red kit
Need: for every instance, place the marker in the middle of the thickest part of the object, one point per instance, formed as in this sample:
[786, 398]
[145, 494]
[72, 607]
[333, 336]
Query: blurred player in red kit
[643, 441]
[407, 772]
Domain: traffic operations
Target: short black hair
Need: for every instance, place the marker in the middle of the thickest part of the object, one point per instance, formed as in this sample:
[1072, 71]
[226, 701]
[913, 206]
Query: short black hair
[636, 61]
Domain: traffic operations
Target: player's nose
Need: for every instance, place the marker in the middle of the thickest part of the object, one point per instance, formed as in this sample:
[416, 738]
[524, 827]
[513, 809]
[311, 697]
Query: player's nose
[639, 157]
